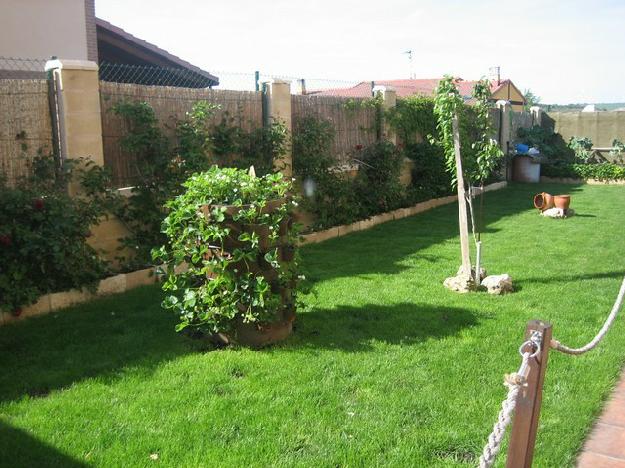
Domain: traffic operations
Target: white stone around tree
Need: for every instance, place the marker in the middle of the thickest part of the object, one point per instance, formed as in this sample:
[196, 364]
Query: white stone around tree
[498, 284]
[461, 283]
[558, 213]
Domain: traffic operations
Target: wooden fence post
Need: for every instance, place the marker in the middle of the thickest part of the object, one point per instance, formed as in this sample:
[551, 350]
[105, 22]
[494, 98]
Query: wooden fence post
[462, 203]
[527, 412]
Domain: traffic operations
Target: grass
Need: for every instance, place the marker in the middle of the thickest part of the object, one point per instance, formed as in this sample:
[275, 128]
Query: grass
[385, 366]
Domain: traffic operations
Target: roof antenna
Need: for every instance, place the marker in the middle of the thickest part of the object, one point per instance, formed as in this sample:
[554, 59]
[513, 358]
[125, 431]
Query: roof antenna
[409, 53]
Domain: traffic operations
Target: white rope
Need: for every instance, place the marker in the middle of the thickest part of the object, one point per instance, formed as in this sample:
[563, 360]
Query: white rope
[514, 382]
[555, 344]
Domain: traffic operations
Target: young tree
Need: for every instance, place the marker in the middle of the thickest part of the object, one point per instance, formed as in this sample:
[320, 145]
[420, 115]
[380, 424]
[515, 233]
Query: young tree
[448, 108]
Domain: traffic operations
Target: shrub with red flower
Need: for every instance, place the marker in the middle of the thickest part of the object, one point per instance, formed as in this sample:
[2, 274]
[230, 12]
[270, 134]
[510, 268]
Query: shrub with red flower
[42, 239]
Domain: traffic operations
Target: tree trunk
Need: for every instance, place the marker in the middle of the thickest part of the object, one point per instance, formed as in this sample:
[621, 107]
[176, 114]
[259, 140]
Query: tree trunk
[462, 204]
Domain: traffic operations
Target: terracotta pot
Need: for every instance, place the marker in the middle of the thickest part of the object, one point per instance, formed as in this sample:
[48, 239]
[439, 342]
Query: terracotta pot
[562, 201]
[543, 201]
[257, 336]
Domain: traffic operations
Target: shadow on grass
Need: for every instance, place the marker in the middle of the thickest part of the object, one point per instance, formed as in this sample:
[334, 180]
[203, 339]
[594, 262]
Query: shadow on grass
[358, 329]
[384, 248]
[100, 339]
[570, 278]
[20, 449]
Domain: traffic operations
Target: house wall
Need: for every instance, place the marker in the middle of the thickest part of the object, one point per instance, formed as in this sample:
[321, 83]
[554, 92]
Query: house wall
[39, 29]
[510, 93]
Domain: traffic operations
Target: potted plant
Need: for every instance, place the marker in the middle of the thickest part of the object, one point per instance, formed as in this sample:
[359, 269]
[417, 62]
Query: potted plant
[232, 232]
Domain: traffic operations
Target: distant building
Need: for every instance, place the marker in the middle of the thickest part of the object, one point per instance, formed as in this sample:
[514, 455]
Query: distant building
[504, 89]
[68, 29]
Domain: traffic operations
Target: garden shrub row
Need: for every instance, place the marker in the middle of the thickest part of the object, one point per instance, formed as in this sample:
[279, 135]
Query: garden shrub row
[574, 159]
[44, 232]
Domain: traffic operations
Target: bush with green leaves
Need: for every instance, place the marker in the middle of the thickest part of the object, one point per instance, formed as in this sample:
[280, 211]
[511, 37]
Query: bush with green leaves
[377, 184]
[44, 231]
[602, 171]
[551, 145]
[582, 147]
[213, 239]
[162, 164]
[328, 193]
[413, 118]
[429, 177]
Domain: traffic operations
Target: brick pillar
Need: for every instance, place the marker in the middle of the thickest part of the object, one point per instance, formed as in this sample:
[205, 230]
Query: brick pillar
[389, 100]
[278, 102]
[79, 117]
[80, 128]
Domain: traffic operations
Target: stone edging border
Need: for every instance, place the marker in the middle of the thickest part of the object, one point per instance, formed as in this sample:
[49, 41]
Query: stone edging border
[571, 180]
[339, 231]
[59, 300]
[126, 281]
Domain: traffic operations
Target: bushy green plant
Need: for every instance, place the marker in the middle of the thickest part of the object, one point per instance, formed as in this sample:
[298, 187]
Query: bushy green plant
[618, 149]
[582, 147]
[413, 118]
[163, 164]
[551, 145]
[209, 282]
[602, 171]
[377, 185]
[44, 231]
[429, 177]
[328, 193]
[487, 152]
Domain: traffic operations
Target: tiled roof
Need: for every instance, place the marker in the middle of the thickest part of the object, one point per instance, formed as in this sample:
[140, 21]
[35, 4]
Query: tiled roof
[405, 88]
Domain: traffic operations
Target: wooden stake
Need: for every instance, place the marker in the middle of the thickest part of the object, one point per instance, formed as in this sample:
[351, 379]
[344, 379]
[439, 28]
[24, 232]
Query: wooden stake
[527, 412]
[462, 204]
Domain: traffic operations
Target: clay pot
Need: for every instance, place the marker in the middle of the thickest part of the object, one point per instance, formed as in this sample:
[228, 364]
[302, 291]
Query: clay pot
[562, 201]
[257, 336]
[543, 201]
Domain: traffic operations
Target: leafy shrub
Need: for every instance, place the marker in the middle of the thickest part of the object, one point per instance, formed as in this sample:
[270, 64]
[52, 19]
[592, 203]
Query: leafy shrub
[377, 184]
[260, 147]
[328, 193]
[218, 287]
[551, 145]
[429, 177]
[44, 231]
[413, 118]
[602, 171]
[582, 147]
[163, 164]
[618, 148]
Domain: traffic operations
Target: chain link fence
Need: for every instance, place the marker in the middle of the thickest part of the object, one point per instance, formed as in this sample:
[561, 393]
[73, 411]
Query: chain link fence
[12, 68]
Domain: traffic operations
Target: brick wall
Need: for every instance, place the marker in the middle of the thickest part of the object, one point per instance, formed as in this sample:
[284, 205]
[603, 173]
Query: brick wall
[92, 37]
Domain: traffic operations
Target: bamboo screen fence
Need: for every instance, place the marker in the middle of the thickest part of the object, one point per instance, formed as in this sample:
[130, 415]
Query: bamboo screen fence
[169, 104]
[25, 126]
[353, 124]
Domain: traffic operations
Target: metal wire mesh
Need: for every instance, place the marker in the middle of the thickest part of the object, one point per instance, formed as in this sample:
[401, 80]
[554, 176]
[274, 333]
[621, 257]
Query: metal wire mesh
[156, 76]
[21, 68]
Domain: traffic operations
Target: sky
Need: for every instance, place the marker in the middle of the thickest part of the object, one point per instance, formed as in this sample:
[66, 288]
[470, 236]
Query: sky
[564, 51]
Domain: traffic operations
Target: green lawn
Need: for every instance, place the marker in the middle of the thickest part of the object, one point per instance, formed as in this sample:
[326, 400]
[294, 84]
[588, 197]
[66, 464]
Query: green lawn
[385, 367]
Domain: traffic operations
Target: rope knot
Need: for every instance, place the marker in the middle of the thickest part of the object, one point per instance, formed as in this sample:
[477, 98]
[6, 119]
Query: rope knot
[514, 379]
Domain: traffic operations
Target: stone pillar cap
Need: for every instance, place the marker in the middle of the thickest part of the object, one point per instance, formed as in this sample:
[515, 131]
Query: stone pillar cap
[502, 102]
[68, 64]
